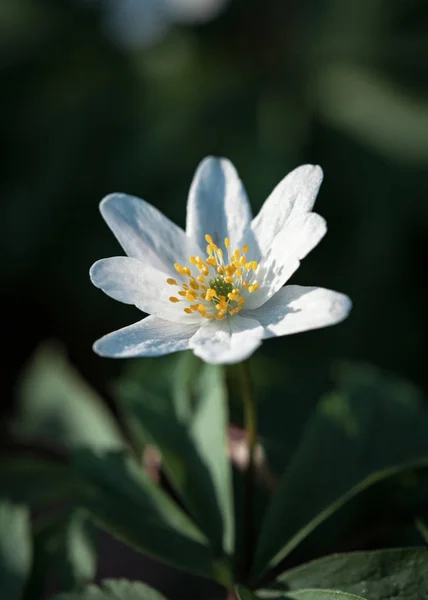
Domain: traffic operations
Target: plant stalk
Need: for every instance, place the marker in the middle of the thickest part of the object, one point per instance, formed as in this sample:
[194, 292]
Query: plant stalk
[250, 424]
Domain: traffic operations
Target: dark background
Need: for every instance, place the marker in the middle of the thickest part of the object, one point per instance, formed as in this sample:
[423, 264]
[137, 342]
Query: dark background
[270, 85]
[92, 103]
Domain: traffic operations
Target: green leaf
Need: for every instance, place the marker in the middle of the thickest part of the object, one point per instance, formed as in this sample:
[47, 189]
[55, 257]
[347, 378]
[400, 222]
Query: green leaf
[371, 429]
[378, 575]
[194, 454]
[15, 550]
[321, 595]
[126, 502]
[57, 405]
[65, 550]
[114, 589]
[244, 593]
[35, 481]
[422, 527]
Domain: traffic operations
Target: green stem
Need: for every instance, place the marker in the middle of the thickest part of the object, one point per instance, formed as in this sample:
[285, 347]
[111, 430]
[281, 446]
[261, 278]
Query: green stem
[250, 423]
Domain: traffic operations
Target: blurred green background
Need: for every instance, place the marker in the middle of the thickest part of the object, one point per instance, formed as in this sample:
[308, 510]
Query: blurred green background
[99, 96]
[86, 110]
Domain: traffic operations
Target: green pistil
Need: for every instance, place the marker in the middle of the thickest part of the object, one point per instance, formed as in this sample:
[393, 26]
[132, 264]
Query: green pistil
[221, 287]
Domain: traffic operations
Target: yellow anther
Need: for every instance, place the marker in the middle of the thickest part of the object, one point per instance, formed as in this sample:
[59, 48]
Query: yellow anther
[254, 265]
[182, 293]
[173, 299]
[232, 296]
[236, 255]
[229, 270]
[194, 307]
[200, 278]
[209, 239]
[242, 260]
[194, 284]
[226, 242]
[191, 296]
[209, 249]
[202, 309]
[210, 294]
[211, 261]
[228, 279]
[171, 281]
[253, 287]
[220, 316]
[245, 248]
[193, 260]
[179, 268]
[220, 270]
[238, 273]
[187, 310]
[185, 286]
[205, 270]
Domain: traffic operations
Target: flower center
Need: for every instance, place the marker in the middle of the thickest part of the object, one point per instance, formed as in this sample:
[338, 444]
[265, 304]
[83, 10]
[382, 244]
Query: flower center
[216, 286]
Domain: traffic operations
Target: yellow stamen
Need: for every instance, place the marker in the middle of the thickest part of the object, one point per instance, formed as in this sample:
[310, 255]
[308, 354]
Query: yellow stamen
[226, 273]
[210, 294]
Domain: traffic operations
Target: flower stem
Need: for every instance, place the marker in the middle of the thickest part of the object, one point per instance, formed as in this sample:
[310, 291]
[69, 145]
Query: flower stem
[250, 423]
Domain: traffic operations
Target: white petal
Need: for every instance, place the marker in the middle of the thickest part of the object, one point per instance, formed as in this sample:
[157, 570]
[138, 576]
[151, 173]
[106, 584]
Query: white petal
[149, 337]
[133, 282]
[228, 341]
[297, 308]
[217, 204]
[145, 233]
[289, 247]
[293, 196]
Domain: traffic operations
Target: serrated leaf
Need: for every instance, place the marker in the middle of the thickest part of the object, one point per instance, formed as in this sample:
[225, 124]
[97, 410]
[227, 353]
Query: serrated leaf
[114, 589]
[15, 550]
[126, 502]
[377, 575]
[195, 453]
[56, 405]
[370, 430]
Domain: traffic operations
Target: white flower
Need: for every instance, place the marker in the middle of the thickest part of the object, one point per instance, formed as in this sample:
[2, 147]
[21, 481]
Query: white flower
[218, 287]
[143, 22]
